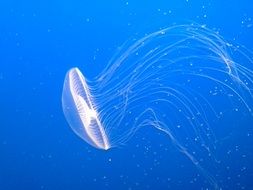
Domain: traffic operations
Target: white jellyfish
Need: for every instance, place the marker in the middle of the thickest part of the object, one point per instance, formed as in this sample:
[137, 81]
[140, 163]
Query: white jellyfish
[178, 80]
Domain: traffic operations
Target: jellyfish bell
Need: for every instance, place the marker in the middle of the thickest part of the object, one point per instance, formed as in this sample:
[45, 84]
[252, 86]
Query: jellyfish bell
[79, 110]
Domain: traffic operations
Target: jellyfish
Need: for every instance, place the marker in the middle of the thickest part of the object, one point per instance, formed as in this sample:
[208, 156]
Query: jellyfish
[180, 80]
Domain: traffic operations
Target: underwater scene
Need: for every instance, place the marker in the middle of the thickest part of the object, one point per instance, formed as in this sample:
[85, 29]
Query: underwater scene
[131, 95]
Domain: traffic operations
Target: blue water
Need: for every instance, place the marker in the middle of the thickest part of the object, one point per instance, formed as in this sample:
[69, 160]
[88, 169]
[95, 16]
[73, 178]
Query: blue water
[41, 40]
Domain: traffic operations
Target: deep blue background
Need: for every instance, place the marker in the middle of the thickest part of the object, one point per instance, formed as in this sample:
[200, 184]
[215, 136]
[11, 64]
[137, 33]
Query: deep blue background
[40, 41]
